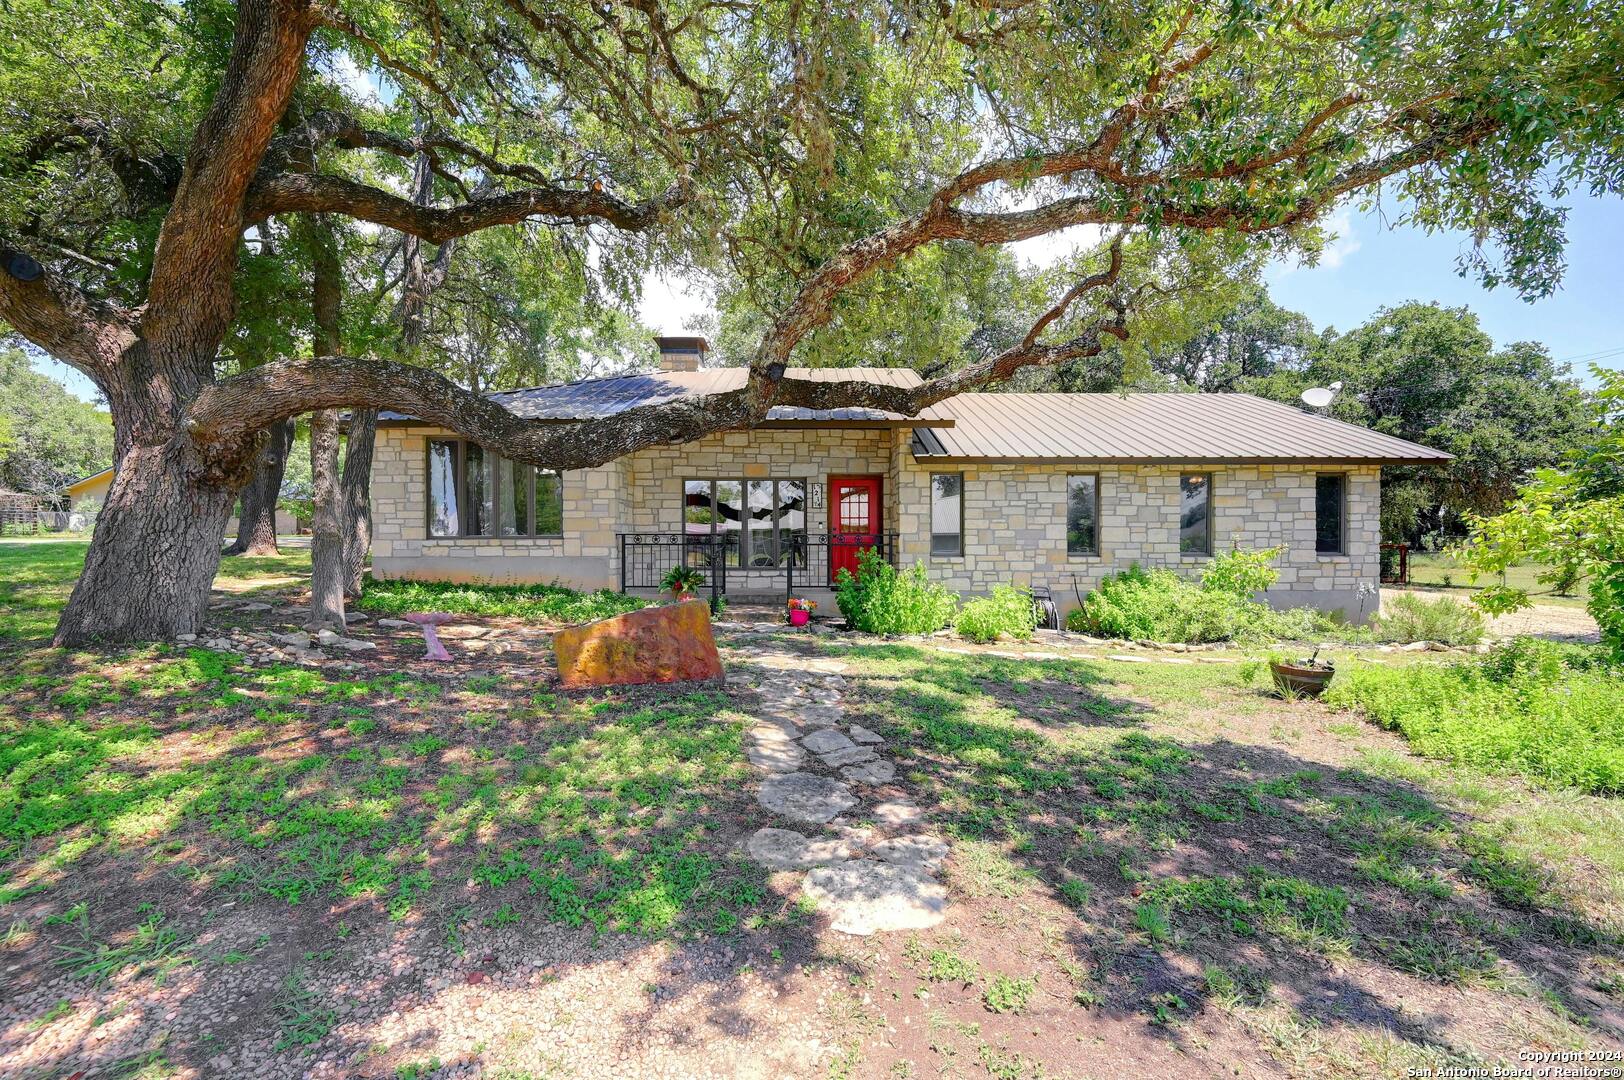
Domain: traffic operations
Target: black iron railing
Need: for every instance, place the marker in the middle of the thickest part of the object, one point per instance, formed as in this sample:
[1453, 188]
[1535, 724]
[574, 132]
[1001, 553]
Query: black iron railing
[792, 560]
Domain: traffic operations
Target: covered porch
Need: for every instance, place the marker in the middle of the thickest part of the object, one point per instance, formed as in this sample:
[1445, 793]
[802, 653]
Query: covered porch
[797, 563]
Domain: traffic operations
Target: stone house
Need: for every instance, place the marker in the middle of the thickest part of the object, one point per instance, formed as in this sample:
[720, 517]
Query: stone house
[1051, 490]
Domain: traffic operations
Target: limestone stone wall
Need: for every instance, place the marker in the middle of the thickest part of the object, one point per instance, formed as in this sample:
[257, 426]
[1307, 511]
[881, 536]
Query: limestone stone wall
[1015, 527]
[654, 477]
[1014, 515]
[585, 557]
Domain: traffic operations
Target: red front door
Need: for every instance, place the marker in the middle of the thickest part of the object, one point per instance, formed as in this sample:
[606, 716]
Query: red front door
[854, 520]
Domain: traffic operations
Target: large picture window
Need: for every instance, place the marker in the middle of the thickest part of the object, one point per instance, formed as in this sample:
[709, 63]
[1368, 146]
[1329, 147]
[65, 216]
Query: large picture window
[1083, 514]
[473, 492]
[1330, 499]
[947, 514]
[763, 522]
[1195, 514]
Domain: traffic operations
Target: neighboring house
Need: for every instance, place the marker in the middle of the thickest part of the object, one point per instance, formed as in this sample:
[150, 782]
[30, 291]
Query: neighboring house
[1054, 490]
[86, 495]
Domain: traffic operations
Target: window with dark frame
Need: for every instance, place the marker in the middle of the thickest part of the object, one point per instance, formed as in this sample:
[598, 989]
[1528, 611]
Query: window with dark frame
[472, 492]
[947, 514]
[1083, 514]
[1330, 513]
[1195, 514]
[763, 521]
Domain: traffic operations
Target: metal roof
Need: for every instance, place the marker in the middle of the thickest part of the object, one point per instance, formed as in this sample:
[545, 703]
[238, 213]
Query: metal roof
[1152, 428]
[591, 399]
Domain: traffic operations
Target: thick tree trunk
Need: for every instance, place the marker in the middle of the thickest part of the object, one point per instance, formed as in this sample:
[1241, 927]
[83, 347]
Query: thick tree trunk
[327, 515]
[155, 551]
[355, 498]
[256, 528]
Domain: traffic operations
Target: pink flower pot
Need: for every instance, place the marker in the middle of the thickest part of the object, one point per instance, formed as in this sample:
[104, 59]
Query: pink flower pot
[797, 617]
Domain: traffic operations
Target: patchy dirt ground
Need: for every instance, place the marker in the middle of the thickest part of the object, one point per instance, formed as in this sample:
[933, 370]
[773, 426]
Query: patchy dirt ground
[379, 867]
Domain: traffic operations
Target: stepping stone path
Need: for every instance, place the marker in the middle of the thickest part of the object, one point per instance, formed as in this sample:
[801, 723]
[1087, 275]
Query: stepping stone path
[816, 770]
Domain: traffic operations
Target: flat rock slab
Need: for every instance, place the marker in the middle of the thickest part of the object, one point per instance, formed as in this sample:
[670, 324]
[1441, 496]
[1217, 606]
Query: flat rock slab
[786, 849]
[896, 814]
[670, 643]
[864, 897]
[776, 757]
[850, 755]
[805, 796]
[827, 741]
[872, 773]
[861, 734]
[925, 853]
[816, 715]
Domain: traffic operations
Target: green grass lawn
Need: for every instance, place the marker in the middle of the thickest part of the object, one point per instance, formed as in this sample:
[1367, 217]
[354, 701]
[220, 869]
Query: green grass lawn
[36, 576]
[1435, 570]
[1161, 854]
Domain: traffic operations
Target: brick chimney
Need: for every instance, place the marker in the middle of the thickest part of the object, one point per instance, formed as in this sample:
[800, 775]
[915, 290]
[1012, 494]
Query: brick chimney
[681, 353]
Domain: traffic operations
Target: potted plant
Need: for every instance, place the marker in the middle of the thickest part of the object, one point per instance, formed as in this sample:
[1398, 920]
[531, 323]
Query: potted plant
[800, 611]
[682, 582]
[1295, 678]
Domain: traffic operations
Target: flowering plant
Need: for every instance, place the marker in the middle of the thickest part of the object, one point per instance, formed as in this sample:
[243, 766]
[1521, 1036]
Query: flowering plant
[798, 604]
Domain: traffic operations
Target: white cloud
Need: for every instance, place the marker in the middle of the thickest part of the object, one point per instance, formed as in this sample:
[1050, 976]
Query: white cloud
[1344, 242]
[1042, 252]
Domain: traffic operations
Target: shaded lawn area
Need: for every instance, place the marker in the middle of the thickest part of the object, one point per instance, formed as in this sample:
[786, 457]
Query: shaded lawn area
[1152, 863]
[1167, 845]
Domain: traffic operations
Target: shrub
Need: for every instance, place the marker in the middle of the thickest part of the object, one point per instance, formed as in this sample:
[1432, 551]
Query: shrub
[1241, 573]
[1007, 612]
[1552, 713]
[879, 600]
[1160, 605]
[548, 603]
[1410, 617]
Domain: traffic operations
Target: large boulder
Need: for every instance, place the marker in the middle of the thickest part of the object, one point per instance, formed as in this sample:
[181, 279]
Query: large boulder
[671, 643]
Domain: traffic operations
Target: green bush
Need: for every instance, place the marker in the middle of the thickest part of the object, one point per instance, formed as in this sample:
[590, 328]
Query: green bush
[1241, 573]
[1409, 617]
[1554, 714]
[879, 600]
[1161, 606]
[548, 603]
[1007, 612]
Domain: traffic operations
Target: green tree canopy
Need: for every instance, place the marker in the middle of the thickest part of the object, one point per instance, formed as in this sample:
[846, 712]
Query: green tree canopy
[48, 437]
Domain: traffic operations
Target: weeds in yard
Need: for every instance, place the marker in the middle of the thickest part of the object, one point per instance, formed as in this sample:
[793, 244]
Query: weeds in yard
[152, 948]
[303, 1019]
[1009, 995]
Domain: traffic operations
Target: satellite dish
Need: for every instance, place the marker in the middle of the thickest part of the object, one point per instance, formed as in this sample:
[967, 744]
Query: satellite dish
[1320, 397]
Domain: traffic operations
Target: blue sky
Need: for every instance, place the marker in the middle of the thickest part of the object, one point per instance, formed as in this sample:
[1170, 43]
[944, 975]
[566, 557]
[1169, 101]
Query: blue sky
[1371, 265]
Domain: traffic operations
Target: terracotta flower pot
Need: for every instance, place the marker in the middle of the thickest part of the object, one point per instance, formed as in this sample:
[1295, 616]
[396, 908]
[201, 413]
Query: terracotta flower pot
[1297, 679]
[797, 617]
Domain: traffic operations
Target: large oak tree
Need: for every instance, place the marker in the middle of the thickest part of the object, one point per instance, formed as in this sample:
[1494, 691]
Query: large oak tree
[810, 153]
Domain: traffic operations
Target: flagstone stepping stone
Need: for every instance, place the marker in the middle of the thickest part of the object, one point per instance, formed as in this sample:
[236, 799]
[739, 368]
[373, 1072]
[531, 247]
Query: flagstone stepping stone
[778, 755]
[920, 852]
[827, 741]
[830, 667]
[805, 796]
[817, 715]
[1124, 659]
[786, 849]
[854, 755]
[864, 897]
[896, 814]
[872, 773]
[861, 734]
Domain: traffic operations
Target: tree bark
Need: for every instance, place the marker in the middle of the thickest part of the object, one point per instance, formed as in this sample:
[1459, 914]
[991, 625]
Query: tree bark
[327, 515]
[355, 498]
[156, 547]
[256, 528]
